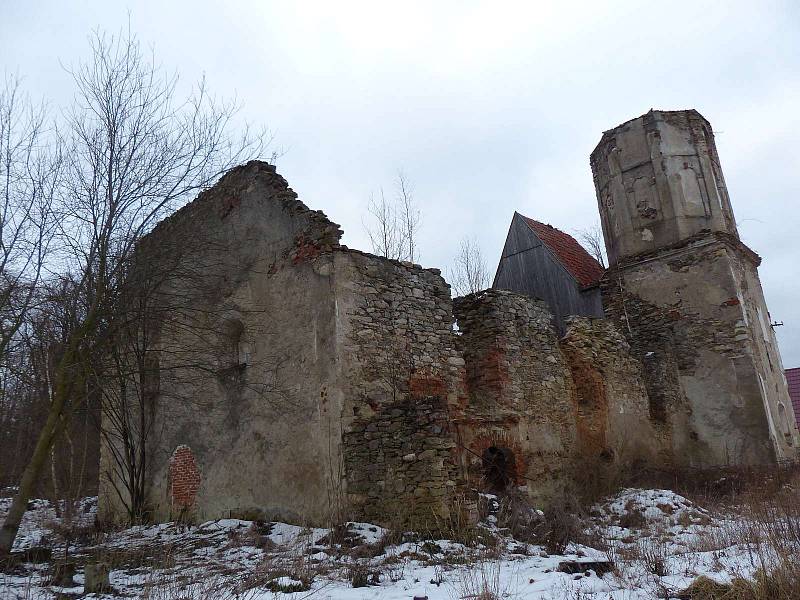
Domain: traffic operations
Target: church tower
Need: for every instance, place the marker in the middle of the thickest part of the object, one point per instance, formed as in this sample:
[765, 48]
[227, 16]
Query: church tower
[685, 290]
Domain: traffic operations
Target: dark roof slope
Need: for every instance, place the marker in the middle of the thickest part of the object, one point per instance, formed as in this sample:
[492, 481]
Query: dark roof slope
[793, 379]
[574, 257]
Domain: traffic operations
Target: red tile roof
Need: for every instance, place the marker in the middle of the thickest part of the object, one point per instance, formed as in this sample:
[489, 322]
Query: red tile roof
[583, 267]
[793, 379]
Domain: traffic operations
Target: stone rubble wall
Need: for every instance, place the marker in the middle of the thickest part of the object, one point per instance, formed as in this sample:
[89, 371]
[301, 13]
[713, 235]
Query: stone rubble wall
[400, 370]
[614, 420]
[518, 391]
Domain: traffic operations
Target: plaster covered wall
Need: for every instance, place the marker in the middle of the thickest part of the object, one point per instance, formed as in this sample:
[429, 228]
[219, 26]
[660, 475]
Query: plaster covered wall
[659, 181]
[259, 433]
[685, 291]
[684, 312]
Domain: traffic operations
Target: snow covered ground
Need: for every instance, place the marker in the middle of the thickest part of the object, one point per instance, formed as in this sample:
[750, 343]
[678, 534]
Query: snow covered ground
[658, 541]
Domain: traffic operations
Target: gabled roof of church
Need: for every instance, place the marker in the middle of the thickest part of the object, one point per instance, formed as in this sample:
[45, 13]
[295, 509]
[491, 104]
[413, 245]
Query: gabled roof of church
[574, 257]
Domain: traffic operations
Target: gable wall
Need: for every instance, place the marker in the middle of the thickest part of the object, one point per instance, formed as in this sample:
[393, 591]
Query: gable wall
[258, 435]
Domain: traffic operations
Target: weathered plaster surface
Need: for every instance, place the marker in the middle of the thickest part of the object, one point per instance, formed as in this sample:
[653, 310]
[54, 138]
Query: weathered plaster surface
[685, 291]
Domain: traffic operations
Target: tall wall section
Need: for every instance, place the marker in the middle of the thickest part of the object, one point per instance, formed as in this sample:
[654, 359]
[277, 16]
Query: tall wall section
[516, 417]
[297, 379]
[685, 292]
[614, 421]
[246, 345]
[545, 408]
[399, 371]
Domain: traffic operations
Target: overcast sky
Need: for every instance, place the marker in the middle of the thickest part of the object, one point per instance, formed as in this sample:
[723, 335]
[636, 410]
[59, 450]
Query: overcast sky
[488, 107]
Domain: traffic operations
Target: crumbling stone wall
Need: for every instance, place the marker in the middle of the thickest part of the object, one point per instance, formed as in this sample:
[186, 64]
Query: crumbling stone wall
[614, 419]
[517, 401]
[333, 385]
[681, 309]
[400, 370]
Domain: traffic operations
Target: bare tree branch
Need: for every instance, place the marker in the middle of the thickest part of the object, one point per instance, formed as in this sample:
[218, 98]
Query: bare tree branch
[469, 273]
[393, 225]
[135, 151]
[592, 240]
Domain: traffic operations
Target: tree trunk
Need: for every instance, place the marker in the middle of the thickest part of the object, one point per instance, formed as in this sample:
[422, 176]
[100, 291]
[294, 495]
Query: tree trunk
[30, 476]
[56, 419]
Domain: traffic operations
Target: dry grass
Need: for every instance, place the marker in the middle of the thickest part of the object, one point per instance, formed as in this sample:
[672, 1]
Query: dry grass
[479, 581]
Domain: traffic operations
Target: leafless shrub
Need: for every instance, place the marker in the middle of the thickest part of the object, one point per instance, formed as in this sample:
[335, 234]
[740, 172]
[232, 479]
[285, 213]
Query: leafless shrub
[360, 575]
[781, 583]
[480, 580]
[562, 524]
[458, 527]
[516, 515]
[172, 586]
[594, 478]
[653, 552]
[632, 518]
[394, 569]
[253, 536]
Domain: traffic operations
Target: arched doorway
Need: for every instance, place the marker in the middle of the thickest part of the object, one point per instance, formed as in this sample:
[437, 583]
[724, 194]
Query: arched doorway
[499, 468]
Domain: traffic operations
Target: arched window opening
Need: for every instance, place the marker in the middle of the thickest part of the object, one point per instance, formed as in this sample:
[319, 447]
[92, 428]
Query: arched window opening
[236, 349]
[499, 468]
[786, 424]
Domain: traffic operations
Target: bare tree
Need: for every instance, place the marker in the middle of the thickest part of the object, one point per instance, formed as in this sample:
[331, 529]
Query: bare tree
[470, 273]
[384, 230]
[409, 215]
[136, 151]
[30, 164]
[394, 224]
[592, 240]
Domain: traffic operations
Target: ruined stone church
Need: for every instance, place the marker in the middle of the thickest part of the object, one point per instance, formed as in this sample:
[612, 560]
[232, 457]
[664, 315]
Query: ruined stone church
[339, 384]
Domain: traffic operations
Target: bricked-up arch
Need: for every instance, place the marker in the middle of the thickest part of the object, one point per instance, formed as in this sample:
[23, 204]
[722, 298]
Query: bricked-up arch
[499, 468]
[184, 479]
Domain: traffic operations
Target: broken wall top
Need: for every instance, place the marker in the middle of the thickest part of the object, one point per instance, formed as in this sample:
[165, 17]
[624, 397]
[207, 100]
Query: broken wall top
[255, 179]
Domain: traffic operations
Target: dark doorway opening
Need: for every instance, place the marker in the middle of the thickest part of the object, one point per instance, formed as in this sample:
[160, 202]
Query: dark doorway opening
[499, 468]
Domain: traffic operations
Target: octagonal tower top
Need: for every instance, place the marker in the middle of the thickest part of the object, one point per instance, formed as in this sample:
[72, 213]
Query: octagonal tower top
[658, 181]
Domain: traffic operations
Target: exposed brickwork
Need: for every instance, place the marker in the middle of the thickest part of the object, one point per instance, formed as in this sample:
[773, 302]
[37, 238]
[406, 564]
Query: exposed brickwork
[518, 388]
[614, 419]
[184, 479]
[793, 381]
